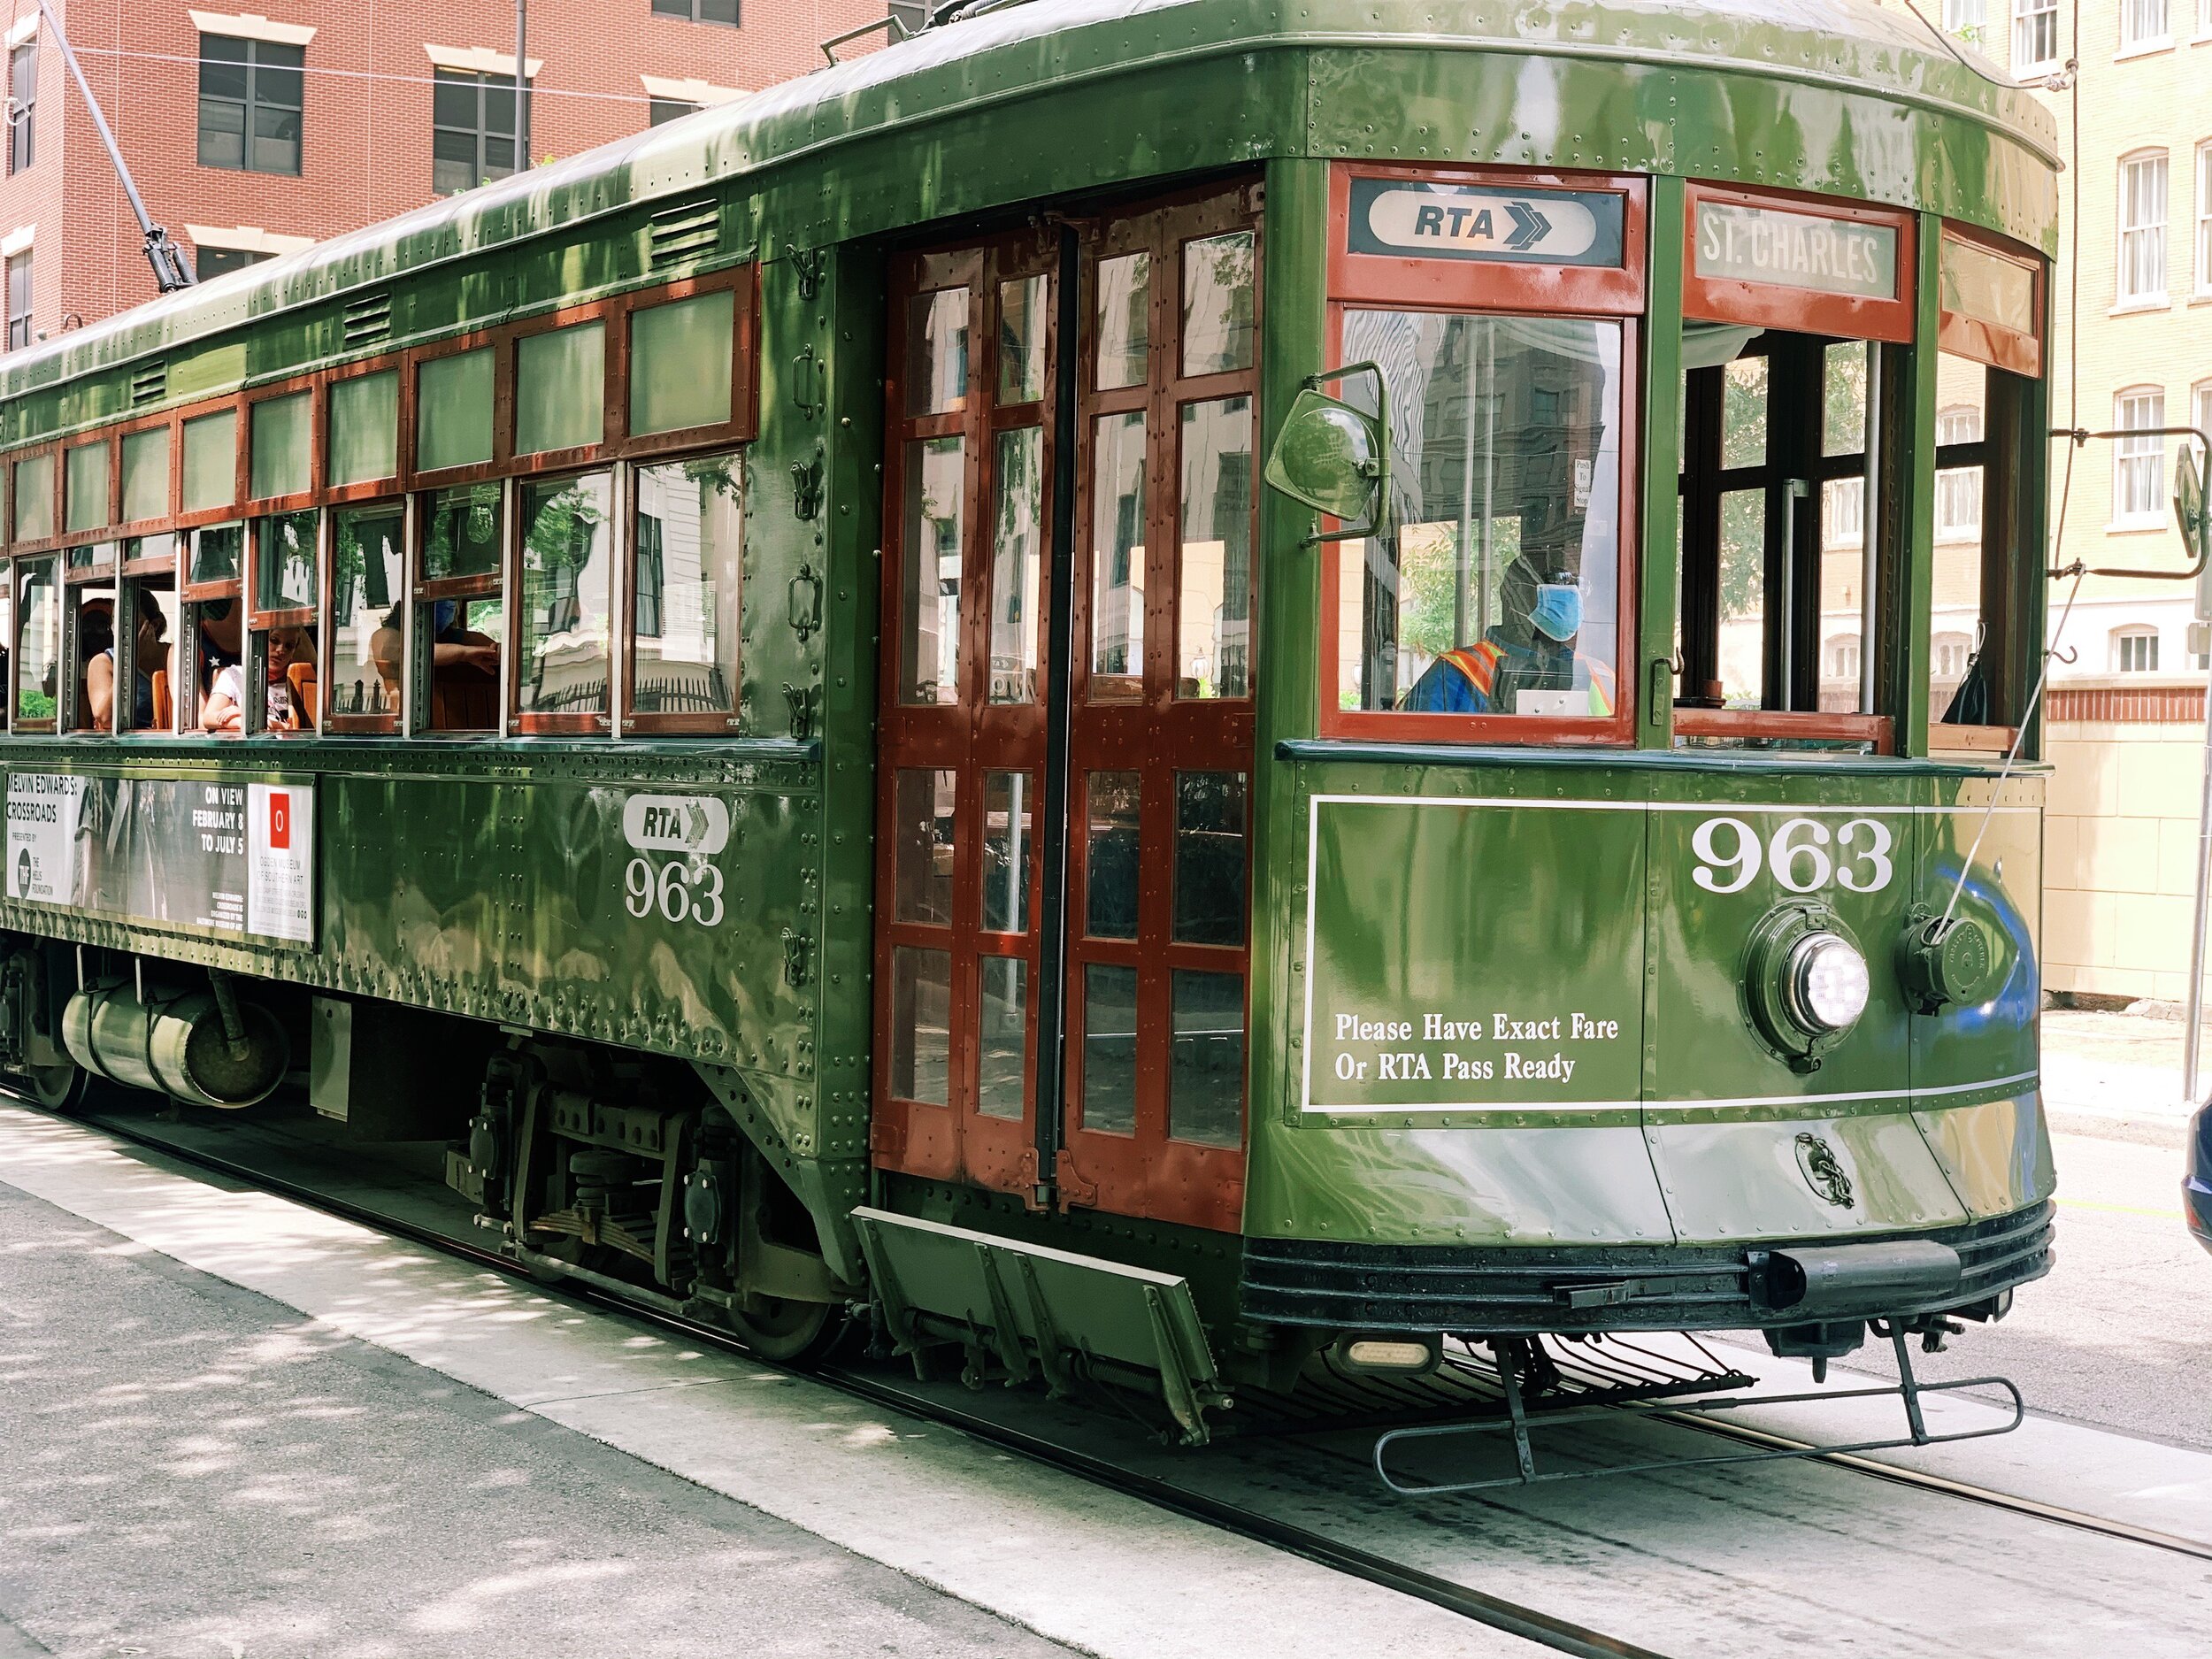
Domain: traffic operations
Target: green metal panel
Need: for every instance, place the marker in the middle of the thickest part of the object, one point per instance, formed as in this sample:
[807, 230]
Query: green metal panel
[1917, 563]
[1661, 519]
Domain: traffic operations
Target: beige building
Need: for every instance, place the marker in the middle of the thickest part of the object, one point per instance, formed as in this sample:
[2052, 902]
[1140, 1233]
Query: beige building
[2132, 350]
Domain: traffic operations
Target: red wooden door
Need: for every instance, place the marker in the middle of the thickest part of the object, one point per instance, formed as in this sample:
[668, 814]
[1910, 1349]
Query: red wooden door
[1146, 1117]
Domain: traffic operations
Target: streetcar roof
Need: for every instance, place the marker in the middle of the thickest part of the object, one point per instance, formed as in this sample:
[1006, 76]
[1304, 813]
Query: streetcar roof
[1016, 50]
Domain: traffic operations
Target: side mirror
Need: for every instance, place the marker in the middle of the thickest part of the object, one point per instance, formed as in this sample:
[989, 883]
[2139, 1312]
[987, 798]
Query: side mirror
[1333, 458]
[2189, 507]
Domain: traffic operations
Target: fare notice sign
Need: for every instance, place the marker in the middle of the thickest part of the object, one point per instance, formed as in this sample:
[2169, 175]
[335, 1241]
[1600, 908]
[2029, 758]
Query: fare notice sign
[1401, 218]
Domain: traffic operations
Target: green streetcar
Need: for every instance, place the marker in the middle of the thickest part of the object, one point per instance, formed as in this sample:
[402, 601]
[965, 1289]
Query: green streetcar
[1170, 690]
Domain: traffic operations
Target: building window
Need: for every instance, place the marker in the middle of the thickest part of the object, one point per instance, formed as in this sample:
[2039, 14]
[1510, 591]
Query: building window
[472, 130]
[1959, 490]
[2201, 416]
[1966, 19]
[1843, 657]
[2143, 25]
[911, 16]
[722, 12]
[2138, 464]
[2143, 226]
[1950, 653]
[22, 100]
[1843, 512]
[2135, 650]
[667, 110]
[214, 262]
[250, 97]
[2035, 35]
[2204, 214]
[18, 301]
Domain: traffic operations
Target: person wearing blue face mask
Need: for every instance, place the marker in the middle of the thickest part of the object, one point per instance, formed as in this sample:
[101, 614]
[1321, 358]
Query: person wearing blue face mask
[1532, 648]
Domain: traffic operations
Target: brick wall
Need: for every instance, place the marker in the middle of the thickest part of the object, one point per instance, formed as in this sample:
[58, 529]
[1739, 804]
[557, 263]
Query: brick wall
[365, 128]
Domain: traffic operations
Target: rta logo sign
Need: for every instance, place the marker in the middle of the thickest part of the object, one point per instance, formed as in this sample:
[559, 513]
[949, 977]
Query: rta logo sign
[281, 819]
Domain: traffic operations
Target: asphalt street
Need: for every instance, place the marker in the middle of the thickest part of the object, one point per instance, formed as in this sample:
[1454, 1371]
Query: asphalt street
[189, 1469]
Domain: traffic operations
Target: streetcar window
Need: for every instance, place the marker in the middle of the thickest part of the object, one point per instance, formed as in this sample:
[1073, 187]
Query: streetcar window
[210, 461]
[217, 553]
[937, 352]
[92, 614]
[684, 602]
[934, 486]
[364, 428]
[680, 364]
[152, 648]
[367, 592]
[85, 487]
[561, 388]
[562, 658]
[460, 621]
[146, 475]
[453, 415]
[37, 642]
[1495, 588]
[33, 499]
[282, 451]
[284, 561]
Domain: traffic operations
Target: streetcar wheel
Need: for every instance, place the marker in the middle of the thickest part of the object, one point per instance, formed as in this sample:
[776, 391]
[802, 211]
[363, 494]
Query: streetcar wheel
[58, 1088]
[790, 1332]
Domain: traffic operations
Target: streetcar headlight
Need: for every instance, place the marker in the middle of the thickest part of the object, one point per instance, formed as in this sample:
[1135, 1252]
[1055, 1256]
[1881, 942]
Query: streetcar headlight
[1824, 983]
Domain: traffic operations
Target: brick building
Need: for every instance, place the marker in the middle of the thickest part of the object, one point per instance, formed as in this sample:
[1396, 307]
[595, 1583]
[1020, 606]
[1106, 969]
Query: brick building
[254, 132]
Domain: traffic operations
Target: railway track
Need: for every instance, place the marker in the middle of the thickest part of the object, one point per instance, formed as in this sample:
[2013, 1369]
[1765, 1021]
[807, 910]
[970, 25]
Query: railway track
[1480, 1607]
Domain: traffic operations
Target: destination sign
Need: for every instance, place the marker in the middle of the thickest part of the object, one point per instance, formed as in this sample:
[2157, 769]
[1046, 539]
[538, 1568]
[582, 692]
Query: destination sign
[1455, 221]
[1785, 248]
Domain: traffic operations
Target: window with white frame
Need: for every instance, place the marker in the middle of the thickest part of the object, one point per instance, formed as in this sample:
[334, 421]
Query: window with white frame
[2135, 650]
[1843, 512]
[1949, 653]
[1843, 656]
[1959, 490]
[2139, 464]
[2200, 415]
[2143, 226]
[1965, 19]
[2143, 25]
[2204, 213]
[2204, 19]
[2035, 34]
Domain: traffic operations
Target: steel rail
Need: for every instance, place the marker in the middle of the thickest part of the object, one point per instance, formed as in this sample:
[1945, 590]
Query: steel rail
[1532, 1624]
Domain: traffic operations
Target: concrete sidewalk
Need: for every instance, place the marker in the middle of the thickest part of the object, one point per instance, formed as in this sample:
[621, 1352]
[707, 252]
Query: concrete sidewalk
[2116, 1076]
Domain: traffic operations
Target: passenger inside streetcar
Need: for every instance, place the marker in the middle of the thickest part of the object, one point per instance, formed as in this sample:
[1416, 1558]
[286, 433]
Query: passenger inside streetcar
[288, 707]
[149, 656]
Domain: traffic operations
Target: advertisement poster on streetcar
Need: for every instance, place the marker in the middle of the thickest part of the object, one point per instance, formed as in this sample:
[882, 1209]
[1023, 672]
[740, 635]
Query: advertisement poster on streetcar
[224, 858]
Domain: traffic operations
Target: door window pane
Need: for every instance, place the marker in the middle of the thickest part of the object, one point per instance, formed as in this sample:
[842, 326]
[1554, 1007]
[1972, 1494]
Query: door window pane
[567, 576]
[1022, 326]
[1217, 303]
[218, 552]
[1498, 591]
[453, 414]
[282, 461]
[1213, 618]
[38, 641]
[921, 1025]
[35, 498]
[1205, 1086]
[1209, 835]
[1843, 409]
[1118, 530]
[1955, 624]
[1002, 1040]
[1016, 558]
[86, 480]
[1110, 868]
[210, 461]
[688, 569]
[465, 637]
[935, 479]
[561, 388]
[284, 566]
[366, 576]
[937, 352]
[923, 851]
[680, 364]
[1109, 1050]
[1124, 320]
[364, 428]
[1743, 418]
[1743, 595]
[1009, 837]
[146, 475]
[461, 533]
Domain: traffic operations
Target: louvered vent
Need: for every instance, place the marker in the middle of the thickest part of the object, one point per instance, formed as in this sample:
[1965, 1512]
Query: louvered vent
[686, 231]
[368, 320]
[150, 385]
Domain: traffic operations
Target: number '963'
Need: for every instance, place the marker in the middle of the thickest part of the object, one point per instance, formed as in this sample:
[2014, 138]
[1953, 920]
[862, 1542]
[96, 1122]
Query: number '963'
[1802, 854]
[680, 890]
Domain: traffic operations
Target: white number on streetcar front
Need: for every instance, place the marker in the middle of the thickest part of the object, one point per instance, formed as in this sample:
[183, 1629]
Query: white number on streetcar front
[1730, 854]
[679, 890]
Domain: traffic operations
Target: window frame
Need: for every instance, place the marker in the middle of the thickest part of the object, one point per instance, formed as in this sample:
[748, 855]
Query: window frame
[330, 494]
[736, 22]
[1987, 342]
[539, 723]
[2132, 633]
[1801, 310]
[2028, 13]
[712, 722]
[250, 104]
[29, 316]
[1579, 293]
[49, 724]
[394, 721]
[2147, 299]
[2152, 518]
[50, 450]
[262, 506]
[2132, 44]
[22, 127]
[481, 83]
[2201, 240]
